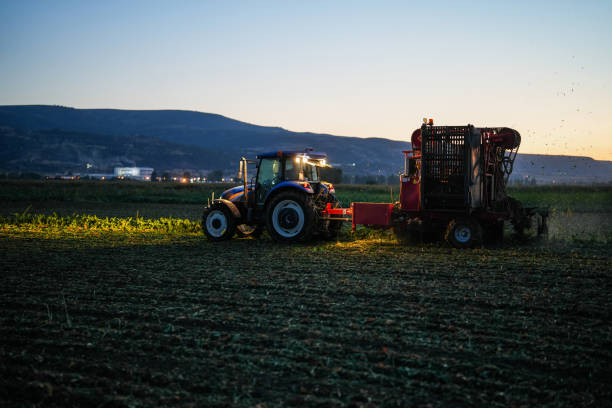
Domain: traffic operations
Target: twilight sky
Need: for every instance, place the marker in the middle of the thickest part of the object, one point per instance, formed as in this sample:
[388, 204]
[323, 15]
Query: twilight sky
[350, 68]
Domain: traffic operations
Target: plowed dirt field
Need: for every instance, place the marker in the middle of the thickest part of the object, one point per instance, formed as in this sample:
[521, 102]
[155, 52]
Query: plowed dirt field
[110, 319]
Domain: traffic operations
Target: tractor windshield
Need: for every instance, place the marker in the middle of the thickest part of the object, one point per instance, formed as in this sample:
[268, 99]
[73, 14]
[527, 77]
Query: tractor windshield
[269, 172]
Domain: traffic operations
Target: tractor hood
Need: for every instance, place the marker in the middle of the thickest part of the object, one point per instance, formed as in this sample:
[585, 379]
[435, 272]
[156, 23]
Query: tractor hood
[234, 194]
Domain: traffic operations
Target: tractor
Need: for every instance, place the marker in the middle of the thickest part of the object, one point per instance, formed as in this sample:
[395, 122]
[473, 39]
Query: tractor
[286, 197]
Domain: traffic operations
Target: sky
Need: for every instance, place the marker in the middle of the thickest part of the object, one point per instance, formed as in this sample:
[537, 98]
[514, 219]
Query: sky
[349, 68]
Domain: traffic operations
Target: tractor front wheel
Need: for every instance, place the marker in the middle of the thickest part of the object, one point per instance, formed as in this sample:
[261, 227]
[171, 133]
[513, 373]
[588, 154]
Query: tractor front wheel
[464, 233]
[218, 222]
[290, 217]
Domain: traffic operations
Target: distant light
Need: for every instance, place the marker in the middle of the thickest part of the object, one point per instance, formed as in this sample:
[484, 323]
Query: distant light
[183, 180]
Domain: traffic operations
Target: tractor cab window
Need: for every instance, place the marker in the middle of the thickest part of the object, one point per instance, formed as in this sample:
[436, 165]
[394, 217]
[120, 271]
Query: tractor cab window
[269, 175]
[310, 172]
[269, 172]
[292, 170]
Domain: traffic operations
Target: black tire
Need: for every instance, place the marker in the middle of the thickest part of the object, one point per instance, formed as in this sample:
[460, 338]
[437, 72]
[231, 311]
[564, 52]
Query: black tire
[218, 222]
[290, 217]
[494, 232]
[463, 233]
[244, 231]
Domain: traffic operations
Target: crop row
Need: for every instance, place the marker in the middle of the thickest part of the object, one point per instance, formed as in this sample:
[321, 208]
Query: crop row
[37, 222]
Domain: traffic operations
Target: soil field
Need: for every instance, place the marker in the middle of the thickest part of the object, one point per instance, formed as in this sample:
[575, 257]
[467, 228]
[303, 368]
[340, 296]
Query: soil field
[94, 317]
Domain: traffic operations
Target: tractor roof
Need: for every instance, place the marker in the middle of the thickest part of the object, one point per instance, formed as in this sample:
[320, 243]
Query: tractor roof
[291, 153]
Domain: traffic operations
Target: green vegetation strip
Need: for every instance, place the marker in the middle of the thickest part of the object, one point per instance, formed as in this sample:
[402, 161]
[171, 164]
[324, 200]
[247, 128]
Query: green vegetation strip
[35, 222]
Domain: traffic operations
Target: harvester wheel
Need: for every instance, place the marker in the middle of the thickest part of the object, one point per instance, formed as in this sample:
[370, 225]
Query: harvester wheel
[218, 222]
[244, 231]
[494, 232]
[463, 233]
[290, 217]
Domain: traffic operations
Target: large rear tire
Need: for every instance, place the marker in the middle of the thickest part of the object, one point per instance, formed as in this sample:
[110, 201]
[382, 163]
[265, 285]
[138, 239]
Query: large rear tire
[290, 217]
[218, 222]
[464, 233]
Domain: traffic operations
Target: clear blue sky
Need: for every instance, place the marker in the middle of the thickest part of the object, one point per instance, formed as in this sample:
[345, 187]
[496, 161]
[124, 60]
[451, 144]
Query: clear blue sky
[352, 68]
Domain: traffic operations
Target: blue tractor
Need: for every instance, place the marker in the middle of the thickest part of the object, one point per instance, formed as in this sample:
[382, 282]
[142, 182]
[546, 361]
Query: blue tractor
[286, 197]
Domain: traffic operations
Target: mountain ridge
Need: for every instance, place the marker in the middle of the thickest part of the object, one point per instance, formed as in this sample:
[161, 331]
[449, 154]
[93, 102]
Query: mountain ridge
[210, 141]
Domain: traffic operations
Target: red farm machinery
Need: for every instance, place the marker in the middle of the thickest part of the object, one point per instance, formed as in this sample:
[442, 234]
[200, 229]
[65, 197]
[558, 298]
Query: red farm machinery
[453, 186]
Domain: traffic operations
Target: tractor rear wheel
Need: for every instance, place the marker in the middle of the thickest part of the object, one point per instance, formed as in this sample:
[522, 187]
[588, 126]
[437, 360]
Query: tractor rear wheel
[463, 233]
[290, 217]
[218, 222]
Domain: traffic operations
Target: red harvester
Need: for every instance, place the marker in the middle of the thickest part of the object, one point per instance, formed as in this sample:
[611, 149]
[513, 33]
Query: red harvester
[454, 183]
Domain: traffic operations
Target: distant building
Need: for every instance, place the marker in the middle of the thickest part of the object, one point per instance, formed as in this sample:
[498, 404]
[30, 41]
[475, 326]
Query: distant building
[134, 173]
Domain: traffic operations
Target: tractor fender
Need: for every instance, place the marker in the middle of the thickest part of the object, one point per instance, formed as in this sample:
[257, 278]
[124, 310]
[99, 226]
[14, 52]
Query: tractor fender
[287, 186]
[235, 211]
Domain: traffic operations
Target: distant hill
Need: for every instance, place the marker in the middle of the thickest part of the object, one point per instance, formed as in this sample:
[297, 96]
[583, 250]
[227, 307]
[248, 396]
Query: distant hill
[52, 151]
[218, 134]
[55, 138]
[547, 169]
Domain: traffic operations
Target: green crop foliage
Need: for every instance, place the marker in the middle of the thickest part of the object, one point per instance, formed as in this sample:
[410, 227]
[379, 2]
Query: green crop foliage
[38, 222]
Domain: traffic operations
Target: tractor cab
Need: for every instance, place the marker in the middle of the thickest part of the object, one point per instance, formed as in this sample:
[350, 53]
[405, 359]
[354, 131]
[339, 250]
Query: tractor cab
[287, 169]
